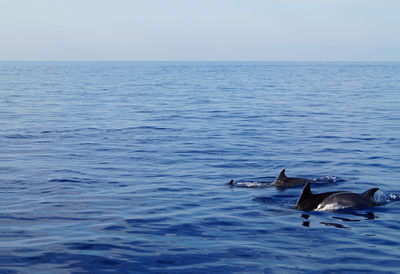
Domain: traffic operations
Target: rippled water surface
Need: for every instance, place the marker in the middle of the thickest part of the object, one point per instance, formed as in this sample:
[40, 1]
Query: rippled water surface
[123, 166]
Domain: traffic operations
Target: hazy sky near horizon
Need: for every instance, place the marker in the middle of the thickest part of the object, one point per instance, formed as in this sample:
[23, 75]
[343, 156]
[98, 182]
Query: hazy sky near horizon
[264, 30]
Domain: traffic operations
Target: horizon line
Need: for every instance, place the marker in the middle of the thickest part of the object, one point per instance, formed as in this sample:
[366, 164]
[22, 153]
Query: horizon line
[189, 60]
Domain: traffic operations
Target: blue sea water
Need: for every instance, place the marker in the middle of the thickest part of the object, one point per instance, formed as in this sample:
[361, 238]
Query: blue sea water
[123, 166]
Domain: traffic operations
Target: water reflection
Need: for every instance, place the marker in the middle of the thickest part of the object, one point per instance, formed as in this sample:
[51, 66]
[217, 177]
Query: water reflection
[367, 216]
[335, 225]
[305, 216]
[306, 223]
[346, 219]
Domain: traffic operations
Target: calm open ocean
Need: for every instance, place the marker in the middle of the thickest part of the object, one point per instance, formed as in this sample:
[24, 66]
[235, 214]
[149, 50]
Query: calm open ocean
[123, 166]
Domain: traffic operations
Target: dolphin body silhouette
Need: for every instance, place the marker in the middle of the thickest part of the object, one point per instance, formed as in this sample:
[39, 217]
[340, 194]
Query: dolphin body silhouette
[283, 181]
[335, 199]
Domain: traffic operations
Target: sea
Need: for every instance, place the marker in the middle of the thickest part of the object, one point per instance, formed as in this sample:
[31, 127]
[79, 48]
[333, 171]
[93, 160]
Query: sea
[123, 167]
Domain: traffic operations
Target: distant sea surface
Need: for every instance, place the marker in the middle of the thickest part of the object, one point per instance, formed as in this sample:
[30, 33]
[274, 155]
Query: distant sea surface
[123, 166]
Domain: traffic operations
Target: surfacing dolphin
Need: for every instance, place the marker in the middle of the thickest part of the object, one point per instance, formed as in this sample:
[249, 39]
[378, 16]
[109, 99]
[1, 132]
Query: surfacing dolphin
[280, 181]
[335, 199]
[283, 181]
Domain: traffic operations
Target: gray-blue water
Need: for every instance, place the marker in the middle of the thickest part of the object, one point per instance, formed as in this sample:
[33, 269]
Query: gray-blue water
[122, 166]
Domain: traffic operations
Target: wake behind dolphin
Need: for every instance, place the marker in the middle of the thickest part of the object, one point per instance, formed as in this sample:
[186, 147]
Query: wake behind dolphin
[335, 199]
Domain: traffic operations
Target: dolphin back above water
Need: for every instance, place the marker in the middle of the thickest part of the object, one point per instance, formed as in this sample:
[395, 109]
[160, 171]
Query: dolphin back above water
[335, 199]
[280, 181]
[283, 181]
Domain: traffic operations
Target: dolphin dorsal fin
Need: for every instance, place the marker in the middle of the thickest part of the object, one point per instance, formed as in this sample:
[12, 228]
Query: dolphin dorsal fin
[282, 174]
[305, 195]
[370, 192]
[306, 192]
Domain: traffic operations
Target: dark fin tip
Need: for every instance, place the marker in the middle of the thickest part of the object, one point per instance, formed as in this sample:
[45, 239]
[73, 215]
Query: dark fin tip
[306, 190]
[305, 193]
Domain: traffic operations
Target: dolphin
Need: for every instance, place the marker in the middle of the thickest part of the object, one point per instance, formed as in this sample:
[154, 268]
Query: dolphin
[283, 181]
[335, 199]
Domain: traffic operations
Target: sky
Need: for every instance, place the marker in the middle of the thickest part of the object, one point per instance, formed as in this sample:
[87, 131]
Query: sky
[200, 30]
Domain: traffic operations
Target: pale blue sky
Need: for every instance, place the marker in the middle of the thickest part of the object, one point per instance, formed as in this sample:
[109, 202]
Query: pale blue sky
[265, 30]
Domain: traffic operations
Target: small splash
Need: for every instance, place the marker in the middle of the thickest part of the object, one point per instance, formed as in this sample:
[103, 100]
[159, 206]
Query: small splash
[252, 184]
[393, 197]
[380, 197]
[326, 180]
